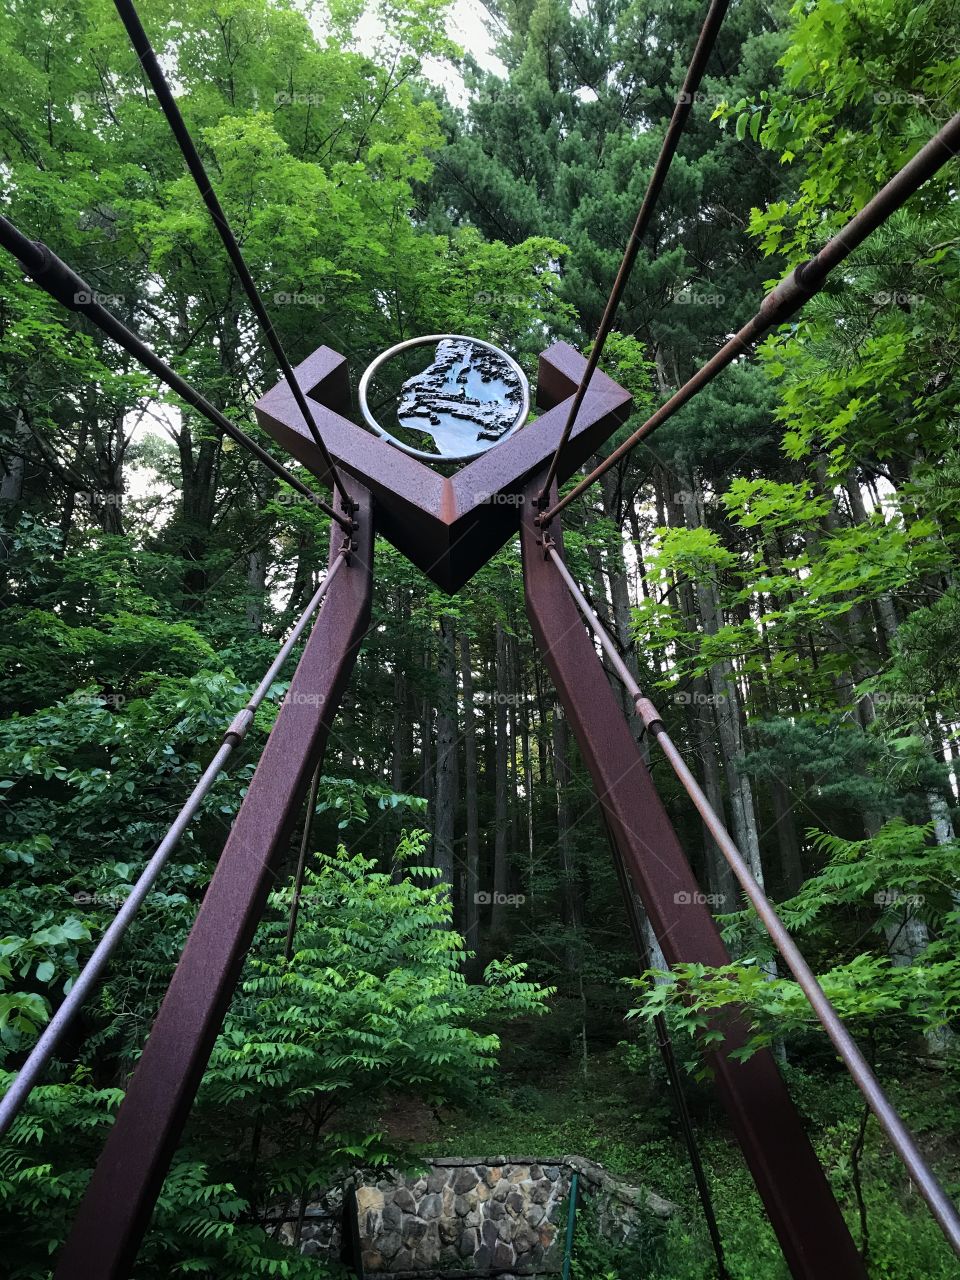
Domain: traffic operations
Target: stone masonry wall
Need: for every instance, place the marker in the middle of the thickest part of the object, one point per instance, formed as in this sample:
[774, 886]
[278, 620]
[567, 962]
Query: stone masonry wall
[472, 1215]
[478, 1215]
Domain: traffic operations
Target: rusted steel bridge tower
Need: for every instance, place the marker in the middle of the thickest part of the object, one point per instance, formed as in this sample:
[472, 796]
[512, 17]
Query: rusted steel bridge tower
[449, 526]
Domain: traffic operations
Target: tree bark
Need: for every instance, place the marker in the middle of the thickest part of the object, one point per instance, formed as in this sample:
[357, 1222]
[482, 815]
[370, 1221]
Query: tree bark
[501, 809]
[256, 589]
[726, 702]
[572, 898]
[446, 788]
[472, 886]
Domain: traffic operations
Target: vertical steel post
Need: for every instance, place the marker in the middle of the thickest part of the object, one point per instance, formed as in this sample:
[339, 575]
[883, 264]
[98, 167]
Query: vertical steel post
[571, 1223]
[813, 1235]
[119, 1200]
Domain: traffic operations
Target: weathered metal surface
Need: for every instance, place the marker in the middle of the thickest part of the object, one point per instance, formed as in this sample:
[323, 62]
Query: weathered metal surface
[448, 527]
[901, 1139]
[129, 1174]
[793, 1186]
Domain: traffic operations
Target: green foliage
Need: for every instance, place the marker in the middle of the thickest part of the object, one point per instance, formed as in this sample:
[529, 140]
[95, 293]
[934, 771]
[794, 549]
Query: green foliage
[373, 996]
[149, 570]
[888, 879]
[595, 1257]
[372, 1000]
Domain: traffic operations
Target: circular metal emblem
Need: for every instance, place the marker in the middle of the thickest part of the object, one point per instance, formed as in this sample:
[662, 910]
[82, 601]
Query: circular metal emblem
[470, 397]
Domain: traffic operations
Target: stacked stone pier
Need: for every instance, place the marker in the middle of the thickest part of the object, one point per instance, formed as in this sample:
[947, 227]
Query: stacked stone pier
[472, 1216]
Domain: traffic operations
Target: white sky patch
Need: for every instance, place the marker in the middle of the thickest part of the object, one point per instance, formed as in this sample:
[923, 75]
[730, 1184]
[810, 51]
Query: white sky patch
[466, 26]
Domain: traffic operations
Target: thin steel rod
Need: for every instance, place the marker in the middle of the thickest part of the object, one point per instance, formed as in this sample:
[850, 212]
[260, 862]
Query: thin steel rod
[63, 284]
[939, 1203]
[571, 1223]
[668, 1057]
[665, 1045]
[301, 864]
[681, 112]
[148, 59]
[791, 293]
[91, 972]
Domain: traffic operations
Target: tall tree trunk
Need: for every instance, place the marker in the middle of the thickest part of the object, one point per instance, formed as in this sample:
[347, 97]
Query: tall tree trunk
[256, 589]
[787, 839]
[726, 701]
[472, 886]
[446, 789]
[572, 898]
[200, 470]
[426, 740]
[11, 465]
[620, 603]
[526, 755]
[69, 508]
[704, 726]
[634, 518]
[513, 796]
[399, 721]
[501, 809]
[11, 493]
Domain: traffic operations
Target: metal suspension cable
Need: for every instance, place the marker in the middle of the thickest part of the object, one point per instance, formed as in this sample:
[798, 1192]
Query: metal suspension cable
[681, 112]
[301, 864]
[792, 292]
[902, 1140]
[668, 1057]
[148, 59]
[71, 291]
[90, 974]
[669, 1060]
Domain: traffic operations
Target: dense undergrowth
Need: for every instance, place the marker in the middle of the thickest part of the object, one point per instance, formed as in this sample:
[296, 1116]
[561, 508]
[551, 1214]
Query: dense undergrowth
[620, 1114]
[779, 565]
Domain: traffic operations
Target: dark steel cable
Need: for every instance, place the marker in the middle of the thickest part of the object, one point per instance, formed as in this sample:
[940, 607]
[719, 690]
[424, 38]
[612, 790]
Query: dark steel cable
[301, 864]
[665, 1045]
[41, 1053]
[791, 293]
[901, 1139]
[681, 112]
[148, 59]
[70, 290]
[669, 1060]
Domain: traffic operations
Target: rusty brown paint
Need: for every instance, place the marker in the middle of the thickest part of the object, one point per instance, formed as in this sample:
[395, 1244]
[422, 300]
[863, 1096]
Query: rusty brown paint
[448, 526]
[119, 1200]
[789, 1178]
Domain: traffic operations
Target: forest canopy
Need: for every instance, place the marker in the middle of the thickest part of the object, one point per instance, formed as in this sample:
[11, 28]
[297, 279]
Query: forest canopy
[777, 564]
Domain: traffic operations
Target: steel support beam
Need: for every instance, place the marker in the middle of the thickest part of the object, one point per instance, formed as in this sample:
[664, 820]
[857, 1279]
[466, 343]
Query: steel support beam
[798, 1199]
[119, 1200]
[448, 526]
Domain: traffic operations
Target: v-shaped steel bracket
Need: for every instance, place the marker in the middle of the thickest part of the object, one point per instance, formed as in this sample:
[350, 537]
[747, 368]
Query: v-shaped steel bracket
[448, 526]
